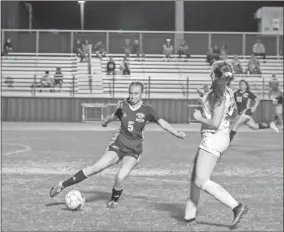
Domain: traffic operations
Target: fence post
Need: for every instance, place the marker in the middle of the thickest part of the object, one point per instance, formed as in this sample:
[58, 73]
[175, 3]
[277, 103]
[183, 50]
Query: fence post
[72, 42]
[37, 42]
[209, 41]
[262, 87]
[34, 92]
[107, 42]
[113, 80]
[73, 85]
[141, 42]
[187, 87]
[2, 40]
[149, 87]
[277, 45]
[244, 45]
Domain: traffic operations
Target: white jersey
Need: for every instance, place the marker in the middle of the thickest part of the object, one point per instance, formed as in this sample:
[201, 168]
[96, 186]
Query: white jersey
[208, 111]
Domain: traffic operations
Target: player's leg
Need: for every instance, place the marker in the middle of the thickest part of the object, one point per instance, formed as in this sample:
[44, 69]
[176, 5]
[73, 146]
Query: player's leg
[193, 193]
[108, 159]
[261, 125]
[128, 163]
[241, 120]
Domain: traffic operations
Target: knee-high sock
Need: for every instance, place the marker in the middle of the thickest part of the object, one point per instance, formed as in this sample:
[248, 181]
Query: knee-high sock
[220, 193]
[192, 201]
[78, 177]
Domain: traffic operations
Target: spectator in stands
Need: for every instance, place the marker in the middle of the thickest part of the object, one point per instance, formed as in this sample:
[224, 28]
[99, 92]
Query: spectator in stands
[278, 102]
[216, 53]
[168, 49]
[253, 66]
[111, 66]
[237, 65]
[127, 47]
[183, 50]
[100, 50]
[258, 49]
[85, 49]
[223, 55]
[58, 78]
[136, 49]
[274, 89]
[224, 49]
[45, 81]
[124, 67]
[9, 81]
[78, 50]
[210, 57]
[8, 47]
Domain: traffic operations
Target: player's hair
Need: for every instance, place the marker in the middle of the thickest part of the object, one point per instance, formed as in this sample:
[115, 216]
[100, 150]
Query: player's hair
[222, 74]
[136, 83]
[247, 84]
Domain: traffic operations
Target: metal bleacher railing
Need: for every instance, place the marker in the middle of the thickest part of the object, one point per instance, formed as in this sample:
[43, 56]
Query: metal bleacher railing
[63, 41]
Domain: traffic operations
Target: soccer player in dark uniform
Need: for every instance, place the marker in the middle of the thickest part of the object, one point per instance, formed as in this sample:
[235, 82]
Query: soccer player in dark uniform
[126, 145]
[243, 98]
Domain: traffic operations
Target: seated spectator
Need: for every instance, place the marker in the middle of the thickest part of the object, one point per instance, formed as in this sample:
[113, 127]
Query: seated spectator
[274, 89]
[278, 102]
[127, 47]
[78, 50]
[58, 78]
[100, 50]
[136, 49]
[216, 53]
[45, 81]
[7, 47]
[223, 55]
[258, 49]
[210, 57]
[85, 49]
[124, 67]
[111, 67]
[224, 49]
[237, 65]
[183, 49]
[168, 49]
[9, 81]
[253, 66]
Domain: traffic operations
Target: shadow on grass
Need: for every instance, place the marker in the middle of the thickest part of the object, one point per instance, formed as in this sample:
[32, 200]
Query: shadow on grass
[177, 212]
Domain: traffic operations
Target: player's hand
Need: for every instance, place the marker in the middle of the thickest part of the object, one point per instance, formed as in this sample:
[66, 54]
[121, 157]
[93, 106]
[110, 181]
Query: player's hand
[119, 104]
[197, 114]
[181, 135]
[200, 92]
[104, 124]
[248, 112]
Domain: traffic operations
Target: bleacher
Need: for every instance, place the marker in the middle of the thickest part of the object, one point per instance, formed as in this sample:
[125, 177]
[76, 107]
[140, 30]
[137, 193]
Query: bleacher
[180, 78]
[163, 79]
[25, 69]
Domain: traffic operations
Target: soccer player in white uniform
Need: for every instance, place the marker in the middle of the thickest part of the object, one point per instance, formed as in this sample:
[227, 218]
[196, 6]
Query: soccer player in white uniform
[218, 106]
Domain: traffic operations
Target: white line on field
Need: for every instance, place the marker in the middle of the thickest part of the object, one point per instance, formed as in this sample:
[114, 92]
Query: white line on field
[26, 148]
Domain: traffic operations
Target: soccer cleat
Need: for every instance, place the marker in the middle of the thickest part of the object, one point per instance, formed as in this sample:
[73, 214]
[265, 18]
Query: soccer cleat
[274, 127]
[56, 189]
[239, 212]
[190, 212]
[112, 204]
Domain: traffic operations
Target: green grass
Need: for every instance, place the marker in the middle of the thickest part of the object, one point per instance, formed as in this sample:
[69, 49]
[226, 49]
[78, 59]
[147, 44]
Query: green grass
[154, 196]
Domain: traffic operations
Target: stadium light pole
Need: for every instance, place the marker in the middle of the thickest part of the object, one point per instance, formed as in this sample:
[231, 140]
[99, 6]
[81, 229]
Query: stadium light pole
[82, 4]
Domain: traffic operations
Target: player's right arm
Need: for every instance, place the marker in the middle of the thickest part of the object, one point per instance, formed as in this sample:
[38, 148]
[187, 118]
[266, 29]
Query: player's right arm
[108, 119]
[167, 127]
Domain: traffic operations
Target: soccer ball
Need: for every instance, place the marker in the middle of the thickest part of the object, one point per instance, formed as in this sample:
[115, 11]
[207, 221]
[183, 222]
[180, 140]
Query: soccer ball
[74, 200]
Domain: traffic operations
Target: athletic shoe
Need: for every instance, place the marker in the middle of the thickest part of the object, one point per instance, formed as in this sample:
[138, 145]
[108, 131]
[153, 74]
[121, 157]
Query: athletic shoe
[239, 212]
[274, 127]
[56, 189]
[112, 204]
[189, 214]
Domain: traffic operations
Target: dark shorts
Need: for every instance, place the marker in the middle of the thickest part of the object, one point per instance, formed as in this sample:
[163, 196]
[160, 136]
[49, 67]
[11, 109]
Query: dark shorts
[121, 152]
[58, 81]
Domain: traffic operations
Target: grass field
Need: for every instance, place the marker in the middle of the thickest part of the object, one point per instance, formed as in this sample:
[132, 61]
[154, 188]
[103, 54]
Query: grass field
[37, 156]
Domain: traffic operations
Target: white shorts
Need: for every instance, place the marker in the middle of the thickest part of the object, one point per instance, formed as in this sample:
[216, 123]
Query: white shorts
[215, 143]
[279, 109]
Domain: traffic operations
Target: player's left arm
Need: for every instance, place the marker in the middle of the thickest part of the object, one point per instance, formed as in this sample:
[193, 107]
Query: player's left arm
[216, 119]
[154, 117]
[108, 119]
[256, 101]
[167, 127]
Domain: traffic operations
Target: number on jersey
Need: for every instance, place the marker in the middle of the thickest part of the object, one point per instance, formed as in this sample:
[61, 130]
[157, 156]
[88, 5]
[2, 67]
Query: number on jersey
[130, 126]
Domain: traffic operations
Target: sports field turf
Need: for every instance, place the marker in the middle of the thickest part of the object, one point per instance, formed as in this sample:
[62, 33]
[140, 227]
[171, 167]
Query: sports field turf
[36, 156]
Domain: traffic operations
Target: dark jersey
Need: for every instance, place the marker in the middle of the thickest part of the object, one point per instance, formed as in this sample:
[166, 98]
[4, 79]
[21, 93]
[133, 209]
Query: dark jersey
[242, 98]
[129, 137]
[279, 99]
